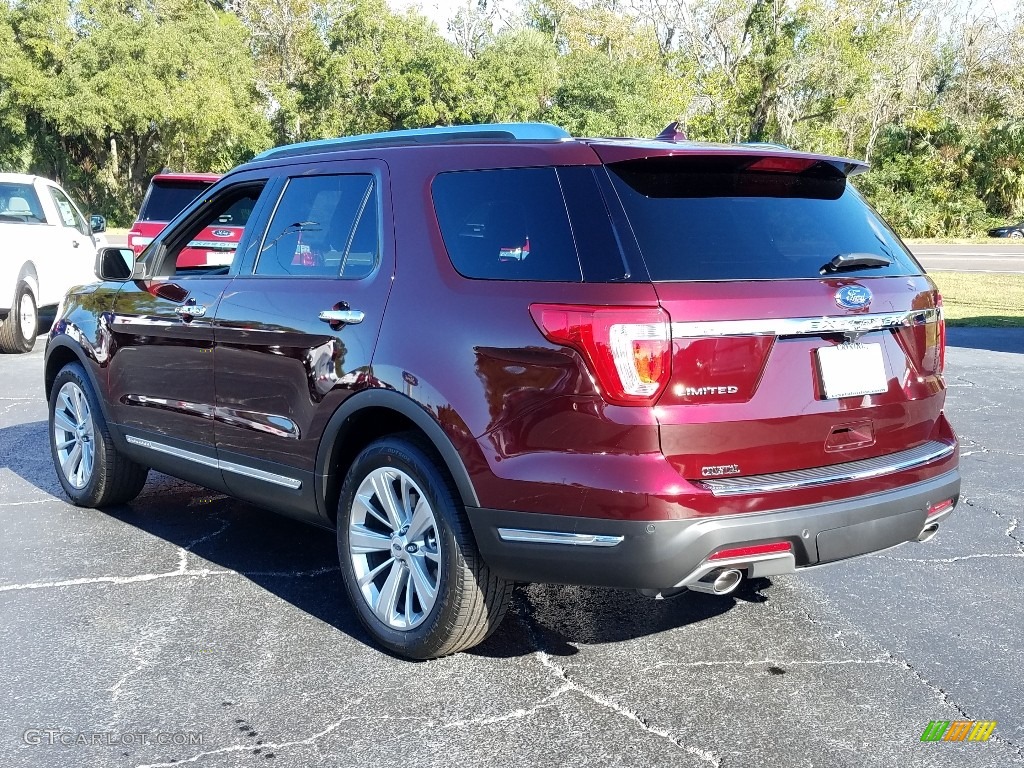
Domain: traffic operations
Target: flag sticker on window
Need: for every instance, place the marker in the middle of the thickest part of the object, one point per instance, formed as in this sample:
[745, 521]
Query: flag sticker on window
[958, 730]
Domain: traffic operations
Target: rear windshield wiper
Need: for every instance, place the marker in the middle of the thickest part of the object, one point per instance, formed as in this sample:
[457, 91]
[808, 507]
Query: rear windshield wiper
[855, 260]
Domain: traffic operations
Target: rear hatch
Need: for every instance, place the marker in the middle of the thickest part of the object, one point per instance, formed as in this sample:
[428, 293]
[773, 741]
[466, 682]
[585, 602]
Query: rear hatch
[167, 196]
[803, 334]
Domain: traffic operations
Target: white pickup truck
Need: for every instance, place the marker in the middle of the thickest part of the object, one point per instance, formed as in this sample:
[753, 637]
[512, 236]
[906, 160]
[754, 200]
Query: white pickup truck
[46, 247]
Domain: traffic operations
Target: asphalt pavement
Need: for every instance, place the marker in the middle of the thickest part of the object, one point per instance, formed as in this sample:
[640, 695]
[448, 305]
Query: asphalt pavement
[191, 629]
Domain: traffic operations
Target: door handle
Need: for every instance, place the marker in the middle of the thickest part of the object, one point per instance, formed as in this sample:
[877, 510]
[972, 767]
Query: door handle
[347, 316]
[190, 310]
[74, 243]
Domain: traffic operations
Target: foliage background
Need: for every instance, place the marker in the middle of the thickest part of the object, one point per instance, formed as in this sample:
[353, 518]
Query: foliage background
[100, 94]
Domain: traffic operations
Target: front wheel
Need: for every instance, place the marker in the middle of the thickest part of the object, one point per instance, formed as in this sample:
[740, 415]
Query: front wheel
[409, 561]
[91, 470]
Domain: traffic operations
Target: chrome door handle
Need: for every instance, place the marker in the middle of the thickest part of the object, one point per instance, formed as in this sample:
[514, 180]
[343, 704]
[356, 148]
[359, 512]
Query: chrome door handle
[190, 310]
[347, 316]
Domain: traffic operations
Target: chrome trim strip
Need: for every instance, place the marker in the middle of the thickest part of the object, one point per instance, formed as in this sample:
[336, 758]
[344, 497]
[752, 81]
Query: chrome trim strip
[206, 461]
[862, 469]
[170, 450]
[558, 537]
[259, 474]
[214, 245]
[805, 326]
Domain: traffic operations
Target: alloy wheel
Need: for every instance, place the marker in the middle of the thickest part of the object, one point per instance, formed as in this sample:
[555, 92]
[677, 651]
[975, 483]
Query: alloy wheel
[394, 548]
[74, 435]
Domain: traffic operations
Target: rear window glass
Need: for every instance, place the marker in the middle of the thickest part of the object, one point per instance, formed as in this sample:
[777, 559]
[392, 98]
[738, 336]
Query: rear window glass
[167, 199]
[719, 219]
[508, 224]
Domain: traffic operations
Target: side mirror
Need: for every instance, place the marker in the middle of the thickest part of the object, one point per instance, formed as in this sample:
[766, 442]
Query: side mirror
[98, 223]
[115, 264]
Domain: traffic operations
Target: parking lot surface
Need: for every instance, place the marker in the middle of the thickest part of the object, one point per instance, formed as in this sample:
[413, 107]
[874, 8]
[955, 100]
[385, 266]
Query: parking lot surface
[191, 629]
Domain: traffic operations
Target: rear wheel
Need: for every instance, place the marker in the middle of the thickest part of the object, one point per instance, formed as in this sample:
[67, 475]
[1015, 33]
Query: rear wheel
[1016, 233]
[91, 470]
[410, 564]
[18, 331]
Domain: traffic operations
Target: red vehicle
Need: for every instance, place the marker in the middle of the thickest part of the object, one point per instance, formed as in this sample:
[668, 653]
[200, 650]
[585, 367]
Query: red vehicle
[490, 354]
[167, 196]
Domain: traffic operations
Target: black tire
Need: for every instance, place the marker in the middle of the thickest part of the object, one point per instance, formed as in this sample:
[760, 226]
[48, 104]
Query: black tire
[112, 478]
[13, 338]
[469, 602]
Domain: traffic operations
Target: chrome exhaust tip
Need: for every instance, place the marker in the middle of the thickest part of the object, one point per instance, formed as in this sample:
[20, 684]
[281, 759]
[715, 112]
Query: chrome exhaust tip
[718, 582]
[928, 532]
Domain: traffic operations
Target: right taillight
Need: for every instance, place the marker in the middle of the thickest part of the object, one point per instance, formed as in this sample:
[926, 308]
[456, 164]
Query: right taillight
[627, 349]
[942, 333]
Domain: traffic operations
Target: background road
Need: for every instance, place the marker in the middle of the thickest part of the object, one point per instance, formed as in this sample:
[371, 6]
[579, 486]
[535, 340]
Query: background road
[999, 255]
[188, 611]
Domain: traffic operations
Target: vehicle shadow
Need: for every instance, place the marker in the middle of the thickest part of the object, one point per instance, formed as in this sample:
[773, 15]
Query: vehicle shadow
[298, 563]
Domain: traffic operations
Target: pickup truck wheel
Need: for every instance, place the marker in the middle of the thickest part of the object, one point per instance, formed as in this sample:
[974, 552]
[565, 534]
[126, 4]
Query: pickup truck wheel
[408, 558]
[91, 470]
[18, 330]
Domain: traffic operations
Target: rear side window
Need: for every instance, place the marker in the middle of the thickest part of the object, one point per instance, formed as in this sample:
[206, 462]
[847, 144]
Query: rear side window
[724, 218]
[508, 224]
[166, 200]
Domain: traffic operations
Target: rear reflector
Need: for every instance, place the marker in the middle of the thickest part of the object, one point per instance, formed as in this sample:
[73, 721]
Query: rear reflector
[752, 551]
[938, 509]
[627, 349]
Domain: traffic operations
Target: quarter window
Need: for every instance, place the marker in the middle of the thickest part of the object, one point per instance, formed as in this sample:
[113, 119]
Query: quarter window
[508, 224]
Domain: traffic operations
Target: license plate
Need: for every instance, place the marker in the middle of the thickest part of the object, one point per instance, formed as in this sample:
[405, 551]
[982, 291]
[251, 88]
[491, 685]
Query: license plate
[851, 370]
[219, 258]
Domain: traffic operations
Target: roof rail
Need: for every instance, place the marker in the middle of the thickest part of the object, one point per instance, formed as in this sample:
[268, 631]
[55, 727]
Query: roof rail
[438, 135]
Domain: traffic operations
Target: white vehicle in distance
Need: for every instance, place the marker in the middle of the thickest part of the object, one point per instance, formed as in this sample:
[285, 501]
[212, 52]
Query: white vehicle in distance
[46, 247]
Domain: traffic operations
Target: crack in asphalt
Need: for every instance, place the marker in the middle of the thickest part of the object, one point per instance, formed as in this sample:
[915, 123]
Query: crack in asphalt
[947, 699]
[767, 662]
[23, 503]
[182, 571]
[177, 573]
[547, 702]
[308, 741]
[560, 673]
[957, 559]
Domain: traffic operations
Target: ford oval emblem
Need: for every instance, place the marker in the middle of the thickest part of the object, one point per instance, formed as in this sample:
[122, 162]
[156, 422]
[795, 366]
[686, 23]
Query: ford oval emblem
[222, 233]
[853, 297]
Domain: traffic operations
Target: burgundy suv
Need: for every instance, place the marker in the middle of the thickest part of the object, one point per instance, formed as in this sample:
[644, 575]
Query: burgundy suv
[497, 353]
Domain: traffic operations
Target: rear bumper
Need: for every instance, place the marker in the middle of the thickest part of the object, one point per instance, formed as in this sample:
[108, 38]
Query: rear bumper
[532, 547]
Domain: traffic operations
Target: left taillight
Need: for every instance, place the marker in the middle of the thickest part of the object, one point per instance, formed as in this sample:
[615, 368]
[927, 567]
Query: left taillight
[626, 349]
